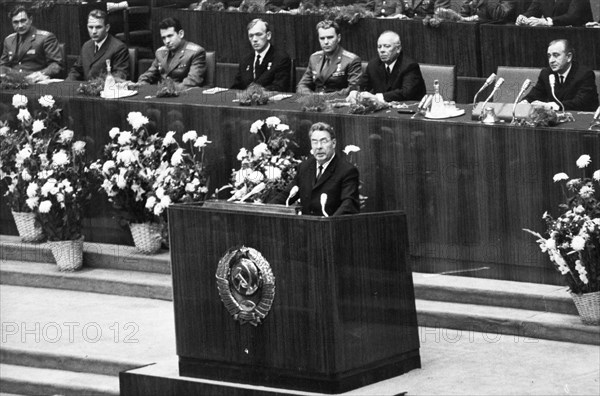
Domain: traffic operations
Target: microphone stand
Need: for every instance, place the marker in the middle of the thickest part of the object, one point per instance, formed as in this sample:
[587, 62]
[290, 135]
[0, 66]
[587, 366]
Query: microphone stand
[487, 83]
[498, 84]
[526, 85]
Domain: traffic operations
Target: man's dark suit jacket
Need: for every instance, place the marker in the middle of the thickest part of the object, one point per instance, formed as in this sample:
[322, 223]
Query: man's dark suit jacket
[404, 83]
[273, 73]
[339, 181]
[577, 93]
[90, 65]
[562, 12]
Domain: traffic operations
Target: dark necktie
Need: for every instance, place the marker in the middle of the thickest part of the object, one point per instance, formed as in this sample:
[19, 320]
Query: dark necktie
[319, 173]
[562, 79]
[97, 48]
[388, 72]
[256, 65]
[325, 63]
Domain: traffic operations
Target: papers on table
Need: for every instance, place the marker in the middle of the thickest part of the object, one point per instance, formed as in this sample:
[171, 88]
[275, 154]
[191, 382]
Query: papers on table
[280, 97]
[50, 81]
[214, 90]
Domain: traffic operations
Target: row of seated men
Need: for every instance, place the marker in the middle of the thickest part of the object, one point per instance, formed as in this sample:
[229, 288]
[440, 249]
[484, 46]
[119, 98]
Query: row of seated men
[539, 12]
[392, 76]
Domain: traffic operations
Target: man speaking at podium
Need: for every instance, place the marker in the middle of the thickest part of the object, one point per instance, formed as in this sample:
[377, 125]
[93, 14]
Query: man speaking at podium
[327, 183]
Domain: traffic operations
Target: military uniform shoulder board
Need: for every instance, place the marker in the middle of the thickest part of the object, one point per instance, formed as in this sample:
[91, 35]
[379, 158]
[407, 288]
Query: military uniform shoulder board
[349, 54]
[192, 47]
[43, 32]
[11, 35]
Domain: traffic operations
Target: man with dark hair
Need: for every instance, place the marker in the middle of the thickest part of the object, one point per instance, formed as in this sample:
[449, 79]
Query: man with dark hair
[556, 13]
[392, 76]
[178, 59]
[100, 48]
[333, 69]
[574, 84]
[266, 65]
[29, 50]
[326, 182]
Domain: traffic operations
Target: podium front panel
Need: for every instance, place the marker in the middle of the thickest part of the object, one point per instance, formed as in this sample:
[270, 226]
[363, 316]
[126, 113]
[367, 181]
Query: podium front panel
[343, 313]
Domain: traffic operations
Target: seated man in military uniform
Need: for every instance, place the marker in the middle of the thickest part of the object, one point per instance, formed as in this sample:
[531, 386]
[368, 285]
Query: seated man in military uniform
[178, 59]
[29, 50]
[333, 69]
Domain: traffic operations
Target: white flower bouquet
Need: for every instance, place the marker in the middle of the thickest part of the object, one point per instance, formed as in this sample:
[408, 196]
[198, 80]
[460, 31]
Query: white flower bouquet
[60, 192]
[24, 148]
[267, 168]
[573, 238]
[142, 173]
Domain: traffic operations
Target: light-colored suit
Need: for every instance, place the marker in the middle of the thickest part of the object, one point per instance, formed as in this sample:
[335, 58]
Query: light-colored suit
[38, 51]
[187, 66]
[341, 75]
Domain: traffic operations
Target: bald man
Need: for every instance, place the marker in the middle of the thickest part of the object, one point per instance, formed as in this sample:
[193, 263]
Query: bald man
[392, 76]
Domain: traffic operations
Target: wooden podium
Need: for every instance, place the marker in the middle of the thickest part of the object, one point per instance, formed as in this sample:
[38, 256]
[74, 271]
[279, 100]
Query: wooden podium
[343, 309]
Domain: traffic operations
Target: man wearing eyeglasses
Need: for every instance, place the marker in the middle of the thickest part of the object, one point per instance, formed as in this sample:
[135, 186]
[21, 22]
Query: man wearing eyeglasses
[325, 173]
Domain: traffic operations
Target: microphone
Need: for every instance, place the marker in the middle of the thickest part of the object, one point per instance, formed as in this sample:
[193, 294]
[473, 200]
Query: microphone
[498, 84]
[524, 87]
[552, 80]
[323, 202]
[487, 83]
[597, 114]
[258, 188]
[293, 192]
[422, 104]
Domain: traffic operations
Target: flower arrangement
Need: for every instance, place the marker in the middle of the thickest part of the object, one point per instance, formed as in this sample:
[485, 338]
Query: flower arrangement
[315, 102]
[26, 148]
[60, 192]
[142, 173]
[573, 238]
[267, 168]
[253, 95]
[367, 105]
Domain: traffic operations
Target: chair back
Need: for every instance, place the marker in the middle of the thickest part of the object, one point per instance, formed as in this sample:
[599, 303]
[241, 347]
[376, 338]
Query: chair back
[293, 81]
[299, 73]
[514, 77]
[64, 63]
[446, 76]
[133, 61]
[211, 67]
[597, 73]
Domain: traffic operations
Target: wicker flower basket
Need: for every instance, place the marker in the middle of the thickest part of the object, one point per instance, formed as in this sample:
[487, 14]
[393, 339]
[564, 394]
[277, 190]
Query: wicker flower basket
[68, 254]
[29, 229]
[146, 237]
[588, 306]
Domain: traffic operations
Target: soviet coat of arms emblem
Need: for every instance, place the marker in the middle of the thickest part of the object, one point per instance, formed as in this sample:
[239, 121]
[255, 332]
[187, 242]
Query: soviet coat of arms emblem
[246, 284]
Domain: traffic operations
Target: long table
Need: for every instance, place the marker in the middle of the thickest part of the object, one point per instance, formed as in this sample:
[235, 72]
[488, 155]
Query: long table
[468, 189]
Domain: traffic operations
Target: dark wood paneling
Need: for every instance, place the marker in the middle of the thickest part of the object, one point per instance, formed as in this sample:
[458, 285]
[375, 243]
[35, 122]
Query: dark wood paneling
[527, 47]
[67, 21]
[467, 188]
[343, 314]
[225, 32]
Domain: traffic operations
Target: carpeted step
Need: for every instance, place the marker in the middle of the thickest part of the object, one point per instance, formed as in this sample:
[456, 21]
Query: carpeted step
[41, 381]
[96, 280]
[95, 255]
[491, 292]
[16, 356]
[498, 321]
